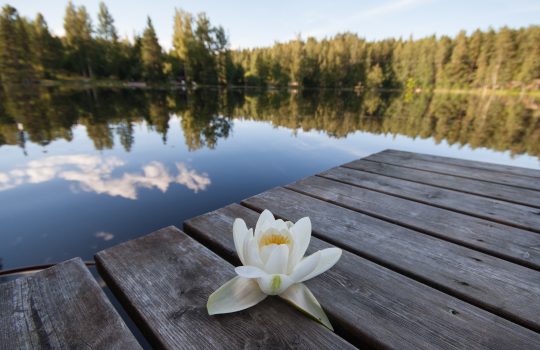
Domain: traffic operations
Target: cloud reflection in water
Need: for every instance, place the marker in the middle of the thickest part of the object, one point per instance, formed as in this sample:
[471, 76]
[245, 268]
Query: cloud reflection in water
[95, 174]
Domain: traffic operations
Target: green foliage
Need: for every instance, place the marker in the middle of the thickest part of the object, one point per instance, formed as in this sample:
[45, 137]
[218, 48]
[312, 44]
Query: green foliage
[46, 49]
[202, 49]
[78, 41]
[201, 54]
[503, 123]
[151, 54]
[106, 29]
[15, 58]
[375, 77]
[410, 88]
[505, 59]
[109, 53]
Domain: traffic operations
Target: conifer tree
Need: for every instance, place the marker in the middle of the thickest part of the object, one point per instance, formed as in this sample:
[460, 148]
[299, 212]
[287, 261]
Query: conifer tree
[459, 68]
[106, 29]
[530, 68]
[78, 39]
[46, 50]
[183, 42]
[15, 59]
[151, 54]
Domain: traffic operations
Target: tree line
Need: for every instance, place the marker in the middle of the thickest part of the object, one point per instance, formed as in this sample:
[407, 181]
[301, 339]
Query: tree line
[503, 123]
[495, 59]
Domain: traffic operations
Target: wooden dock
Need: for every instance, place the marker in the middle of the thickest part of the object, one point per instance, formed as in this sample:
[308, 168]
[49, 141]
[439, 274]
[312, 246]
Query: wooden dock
[437, 253]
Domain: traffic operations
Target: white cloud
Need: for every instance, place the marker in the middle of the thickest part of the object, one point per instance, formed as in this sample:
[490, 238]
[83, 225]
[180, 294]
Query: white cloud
[106, 236]
[190, 178]
[93, 173]
[4, 177]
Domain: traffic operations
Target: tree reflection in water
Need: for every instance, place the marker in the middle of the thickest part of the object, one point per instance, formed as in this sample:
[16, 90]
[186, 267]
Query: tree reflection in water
[501, 123]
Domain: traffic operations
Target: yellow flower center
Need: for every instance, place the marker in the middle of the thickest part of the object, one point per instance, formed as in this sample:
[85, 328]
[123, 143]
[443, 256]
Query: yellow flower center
[273, 238]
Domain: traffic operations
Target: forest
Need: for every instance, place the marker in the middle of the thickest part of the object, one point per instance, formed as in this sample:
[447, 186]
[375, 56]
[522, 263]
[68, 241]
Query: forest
[201, 55]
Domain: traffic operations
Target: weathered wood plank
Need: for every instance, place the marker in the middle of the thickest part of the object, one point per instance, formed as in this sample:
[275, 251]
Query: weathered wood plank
[383, 307]
[164, 280]
[509, 169]
[61, 307]
[450, 166]
[482, 188]
[507, 289]
[516, 215]
[510, 243]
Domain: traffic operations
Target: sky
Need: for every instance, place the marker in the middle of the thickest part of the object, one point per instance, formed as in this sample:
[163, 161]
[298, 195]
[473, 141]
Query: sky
[252, 23]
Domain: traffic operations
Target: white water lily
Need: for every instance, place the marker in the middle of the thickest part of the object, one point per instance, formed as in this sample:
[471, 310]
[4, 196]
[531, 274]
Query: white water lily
[273, 264]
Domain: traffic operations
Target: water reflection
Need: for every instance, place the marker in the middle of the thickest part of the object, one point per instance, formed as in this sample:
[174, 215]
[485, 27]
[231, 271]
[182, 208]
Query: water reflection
[96, 167]
[502, 123]
[106, 236]
[94, 173]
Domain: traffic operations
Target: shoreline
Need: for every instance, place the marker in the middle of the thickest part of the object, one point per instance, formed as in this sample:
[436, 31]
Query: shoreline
[174, 85]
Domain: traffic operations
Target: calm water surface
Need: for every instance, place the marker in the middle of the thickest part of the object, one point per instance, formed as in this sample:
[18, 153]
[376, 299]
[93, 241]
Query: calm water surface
[85, 169]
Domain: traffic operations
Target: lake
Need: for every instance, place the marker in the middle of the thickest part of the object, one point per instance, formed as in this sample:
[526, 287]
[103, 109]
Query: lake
[83, 169]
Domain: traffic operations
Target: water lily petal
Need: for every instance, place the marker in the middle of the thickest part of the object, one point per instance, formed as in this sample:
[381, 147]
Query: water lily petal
[280, 225]
[329, 258]
[278, 259]
[265, 251]
[251, 255]
[238, 294]
[246, 246]
[301, 233]
[305, 267]
[274, 284]
[266, 218]
[249, 272]
[240, 234]
[301, 297]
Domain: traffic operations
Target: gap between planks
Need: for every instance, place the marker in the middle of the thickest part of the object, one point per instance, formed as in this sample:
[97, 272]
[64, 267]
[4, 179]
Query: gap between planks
[487, 171]
[486, 189]
[462, 163]
[433, 232]
[354, 318]
[524, 222]
[411, 274]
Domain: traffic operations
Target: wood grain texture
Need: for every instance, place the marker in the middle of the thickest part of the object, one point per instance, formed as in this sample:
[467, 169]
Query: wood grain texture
[482, 188]
[516, 215]
[382, 307]
[501, 174]
[497, 285]
[510, 243]
[164, 280]
[509, 169]
[61, 307]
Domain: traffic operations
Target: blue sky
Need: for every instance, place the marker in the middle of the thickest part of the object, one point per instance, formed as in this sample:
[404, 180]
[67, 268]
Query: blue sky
[261, 23]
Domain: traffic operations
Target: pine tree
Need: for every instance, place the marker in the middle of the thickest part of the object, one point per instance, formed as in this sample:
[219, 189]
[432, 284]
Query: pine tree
[482, 76]
[15, 59]
[183, 41]
[78, 39]
[107, 43]
[225, 68]
[106, 29]
[151, 54]
[296, 61]
[46, 49]
[375, 77]
[442, 57]
[204, 46]
[458, 70]
[530, 69]
[504, 62]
